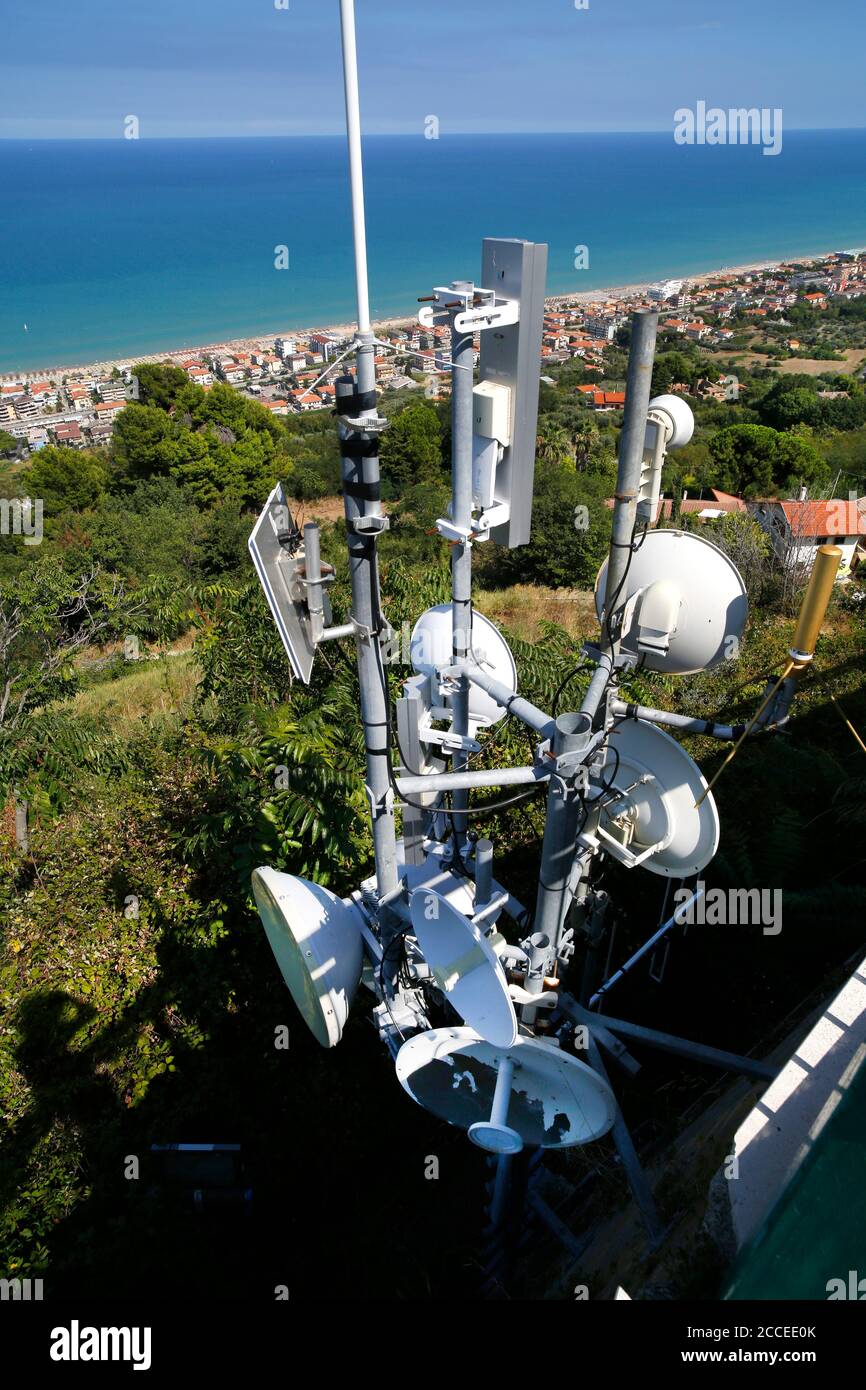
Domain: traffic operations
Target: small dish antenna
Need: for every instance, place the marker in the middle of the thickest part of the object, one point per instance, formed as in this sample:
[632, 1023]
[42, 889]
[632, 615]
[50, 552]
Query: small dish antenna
[529, 1093]
[465, 966]
[430, 648]
[316, 938]
[684, 603]
[653, 820]
[670, 425]
[675, 417]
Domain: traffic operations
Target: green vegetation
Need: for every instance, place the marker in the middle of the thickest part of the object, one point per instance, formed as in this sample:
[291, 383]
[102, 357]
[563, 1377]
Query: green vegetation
[139, 997]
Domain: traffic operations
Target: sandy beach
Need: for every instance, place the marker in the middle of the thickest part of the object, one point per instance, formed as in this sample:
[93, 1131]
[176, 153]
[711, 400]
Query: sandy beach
[344, 330]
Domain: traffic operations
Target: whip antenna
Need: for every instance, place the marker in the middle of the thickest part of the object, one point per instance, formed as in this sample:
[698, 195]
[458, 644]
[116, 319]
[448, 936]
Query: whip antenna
[356, 168]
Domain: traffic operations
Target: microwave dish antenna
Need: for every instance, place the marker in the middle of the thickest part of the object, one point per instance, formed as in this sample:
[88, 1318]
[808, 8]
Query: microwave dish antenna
[316, 938]
[684, 603]
[430, 648]
[465, 966]
[554, 1101]
[650, 817]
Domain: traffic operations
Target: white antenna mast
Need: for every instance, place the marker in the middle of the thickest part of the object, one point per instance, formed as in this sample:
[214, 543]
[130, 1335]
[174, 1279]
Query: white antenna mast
[356, 168]
[359, 430]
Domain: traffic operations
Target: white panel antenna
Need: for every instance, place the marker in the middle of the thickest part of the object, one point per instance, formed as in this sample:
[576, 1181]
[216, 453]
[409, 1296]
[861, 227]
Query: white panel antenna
[276, 546]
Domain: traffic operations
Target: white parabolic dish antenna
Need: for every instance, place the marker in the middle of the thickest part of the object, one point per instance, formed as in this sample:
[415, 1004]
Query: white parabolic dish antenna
[556, 1101]
[662, 806]
[430, 647]
[688, 602]
[316, 939]
[465, 966]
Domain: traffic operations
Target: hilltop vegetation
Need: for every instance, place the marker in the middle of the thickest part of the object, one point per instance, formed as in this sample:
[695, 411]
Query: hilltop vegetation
[138, 993]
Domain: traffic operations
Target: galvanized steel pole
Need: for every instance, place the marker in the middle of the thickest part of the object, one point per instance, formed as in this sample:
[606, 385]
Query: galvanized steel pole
[644, 326]
[461, 553]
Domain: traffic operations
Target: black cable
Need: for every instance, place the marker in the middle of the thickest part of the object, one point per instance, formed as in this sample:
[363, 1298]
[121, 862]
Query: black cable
[632, 548]
[581, 666]
[608, 786]
[399, 935]
[491, 806]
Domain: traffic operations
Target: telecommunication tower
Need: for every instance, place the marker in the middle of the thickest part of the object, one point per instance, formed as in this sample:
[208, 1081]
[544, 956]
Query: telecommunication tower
[483, 1030]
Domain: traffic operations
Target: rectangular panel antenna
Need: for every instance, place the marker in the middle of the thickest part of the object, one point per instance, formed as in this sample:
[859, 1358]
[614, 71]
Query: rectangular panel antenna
[511, 356]
[278, 555]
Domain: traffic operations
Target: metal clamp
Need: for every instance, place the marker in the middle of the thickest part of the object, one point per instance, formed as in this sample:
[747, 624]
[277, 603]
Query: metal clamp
[369, 525]
[575, 762]
[373, 424]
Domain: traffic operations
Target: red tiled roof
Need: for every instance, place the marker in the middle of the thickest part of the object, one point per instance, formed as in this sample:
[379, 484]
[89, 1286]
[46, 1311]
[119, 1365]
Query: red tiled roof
[738, 505]
[833, 518]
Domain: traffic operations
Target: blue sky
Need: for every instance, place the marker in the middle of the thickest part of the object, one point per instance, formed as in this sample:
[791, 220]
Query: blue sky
[245, 67]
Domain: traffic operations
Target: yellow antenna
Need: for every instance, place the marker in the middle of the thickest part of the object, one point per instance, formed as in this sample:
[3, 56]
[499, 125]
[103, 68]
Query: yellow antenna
[812, 613]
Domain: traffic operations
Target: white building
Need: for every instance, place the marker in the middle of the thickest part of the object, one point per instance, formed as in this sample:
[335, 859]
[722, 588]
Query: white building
[666, 289]
[115, 390]
[601, 326]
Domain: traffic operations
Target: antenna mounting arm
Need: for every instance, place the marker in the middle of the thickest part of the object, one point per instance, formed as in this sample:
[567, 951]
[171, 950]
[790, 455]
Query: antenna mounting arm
[477, 308]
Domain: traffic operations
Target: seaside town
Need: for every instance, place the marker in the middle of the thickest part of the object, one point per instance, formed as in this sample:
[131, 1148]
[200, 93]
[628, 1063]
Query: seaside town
[292, 373]
[288, 373]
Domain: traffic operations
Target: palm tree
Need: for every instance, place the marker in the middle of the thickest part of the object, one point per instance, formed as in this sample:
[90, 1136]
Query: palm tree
[584, 438]
[554, 446]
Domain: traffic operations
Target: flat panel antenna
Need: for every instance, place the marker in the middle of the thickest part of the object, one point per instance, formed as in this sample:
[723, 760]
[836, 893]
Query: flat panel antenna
[276, 547]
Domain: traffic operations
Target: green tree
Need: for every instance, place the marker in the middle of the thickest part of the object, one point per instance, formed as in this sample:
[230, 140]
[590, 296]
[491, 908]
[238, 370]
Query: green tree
[553, 445]
[66, 479]
[46, 616]
[411, 448]
[570, 531]
[754, 460]
[160, 383]
[144, 441]
[671, 367]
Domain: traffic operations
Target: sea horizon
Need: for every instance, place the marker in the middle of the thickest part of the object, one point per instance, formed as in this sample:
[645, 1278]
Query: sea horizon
[113, 249]
[385, 134]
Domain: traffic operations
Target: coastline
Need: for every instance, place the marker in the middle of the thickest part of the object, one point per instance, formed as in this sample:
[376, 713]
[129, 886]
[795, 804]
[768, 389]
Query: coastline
[254, 341]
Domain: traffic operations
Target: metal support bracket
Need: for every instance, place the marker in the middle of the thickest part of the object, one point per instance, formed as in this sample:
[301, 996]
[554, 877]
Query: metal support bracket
[450, 742]
[369, 525]
[478, 308]
[460, 535]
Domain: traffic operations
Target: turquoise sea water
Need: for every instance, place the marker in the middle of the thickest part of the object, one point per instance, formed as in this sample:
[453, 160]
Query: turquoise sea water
[112, 248]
